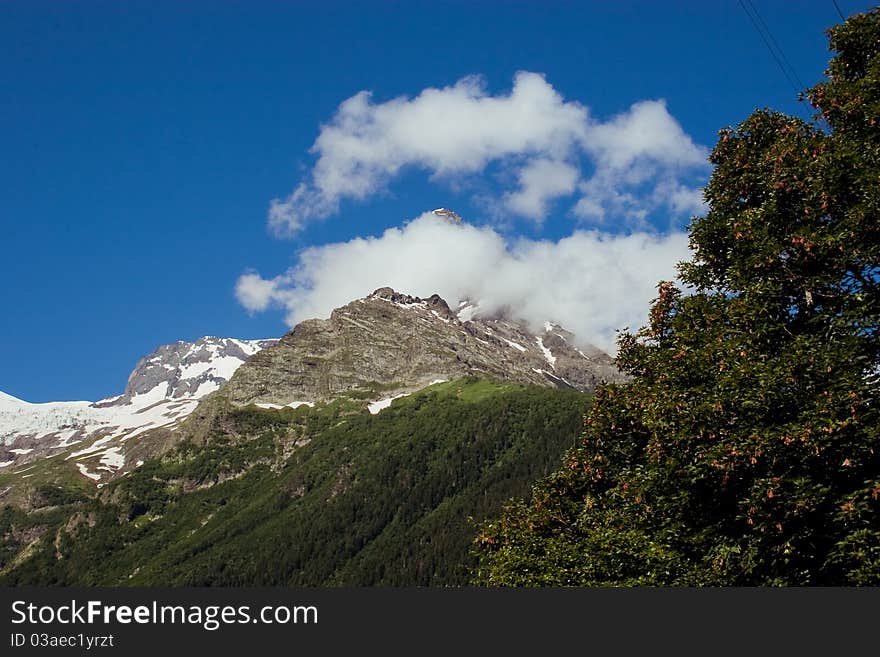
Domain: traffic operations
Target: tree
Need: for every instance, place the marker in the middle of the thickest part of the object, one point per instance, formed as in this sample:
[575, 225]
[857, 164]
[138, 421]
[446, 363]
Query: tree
[745, 449]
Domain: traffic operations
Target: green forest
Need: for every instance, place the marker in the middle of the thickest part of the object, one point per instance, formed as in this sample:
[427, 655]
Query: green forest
[325, 496]
[745, 449]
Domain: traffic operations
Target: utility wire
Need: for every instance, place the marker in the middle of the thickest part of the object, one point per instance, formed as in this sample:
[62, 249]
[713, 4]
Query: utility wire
[779, 49]
[766, 39]
[779, 57]
[839, 13]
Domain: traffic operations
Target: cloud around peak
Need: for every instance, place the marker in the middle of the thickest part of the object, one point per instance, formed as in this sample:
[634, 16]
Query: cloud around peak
[537, 153]
[591, 282]
[545, 143]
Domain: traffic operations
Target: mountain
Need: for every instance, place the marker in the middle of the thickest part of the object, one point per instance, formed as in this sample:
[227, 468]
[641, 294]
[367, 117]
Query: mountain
[327, 495]
[358, 449]
[375, 349]
[395, 343]
[163, 389]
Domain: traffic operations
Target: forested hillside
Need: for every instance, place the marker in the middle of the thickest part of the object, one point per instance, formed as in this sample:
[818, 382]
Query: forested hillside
[325, 496]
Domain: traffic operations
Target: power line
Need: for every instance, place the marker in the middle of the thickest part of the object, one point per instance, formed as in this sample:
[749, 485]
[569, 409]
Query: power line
[778, 47]
[766, 39]
[776, 52]
[839, 13]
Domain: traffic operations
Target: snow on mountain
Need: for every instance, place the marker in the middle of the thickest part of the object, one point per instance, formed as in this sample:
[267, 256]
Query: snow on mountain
[548, 354]
[186, 370]
[163, 389]
[376, 406]
[466, 310]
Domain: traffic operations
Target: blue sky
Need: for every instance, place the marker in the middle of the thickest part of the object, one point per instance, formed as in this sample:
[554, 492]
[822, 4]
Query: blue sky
[143, 143]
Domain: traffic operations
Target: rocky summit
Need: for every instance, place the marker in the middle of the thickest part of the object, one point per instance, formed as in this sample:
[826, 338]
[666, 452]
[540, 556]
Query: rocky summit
[393, 343]
[449, 215]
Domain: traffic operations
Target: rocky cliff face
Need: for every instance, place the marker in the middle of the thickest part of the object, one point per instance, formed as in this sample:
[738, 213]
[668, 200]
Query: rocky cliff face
[392, 343]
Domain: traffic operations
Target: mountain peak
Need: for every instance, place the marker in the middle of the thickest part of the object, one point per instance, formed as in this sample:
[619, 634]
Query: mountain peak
[188, 369]
[434, 303]
[390, 294]
[449, 215]
[163, 389]
[394, 343]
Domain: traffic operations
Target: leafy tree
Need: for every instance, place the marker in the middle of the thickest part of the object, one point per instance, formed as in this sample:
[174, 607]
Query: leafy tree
[745, 449]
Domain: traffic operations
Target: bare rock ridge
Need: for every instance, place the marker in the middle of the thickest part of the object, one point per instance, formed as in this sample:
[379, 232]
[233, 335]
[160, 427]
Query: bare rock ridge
[391, 343]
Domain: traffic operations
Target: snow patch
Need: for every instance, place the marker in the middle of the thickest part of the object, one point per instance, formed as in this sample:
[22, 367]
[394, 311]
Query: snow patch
[97, 446]
[515, 345]
[249, 347]
[377, 406]
[85, 471]
[547, 353]
[220, 367]
[551, 376]
[293, 404]
[207, 387]
[113, 458]
[466, 311]
[64, 438]
[582, 354]
[410, 306]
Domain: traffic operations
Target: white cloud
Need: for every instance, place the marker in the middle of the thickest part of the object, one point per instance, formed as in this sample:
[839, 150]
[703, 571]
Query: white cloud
[290, 214]
[591, 282]
[640, 156]
[461, 129]
[255, 293]
[685, 200]
[647, 133]
[540, 182]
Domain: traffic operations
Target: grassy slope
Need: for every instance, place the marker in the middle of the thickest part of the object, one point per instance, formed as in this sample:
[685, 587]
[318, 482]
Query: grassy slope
[325, 496]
